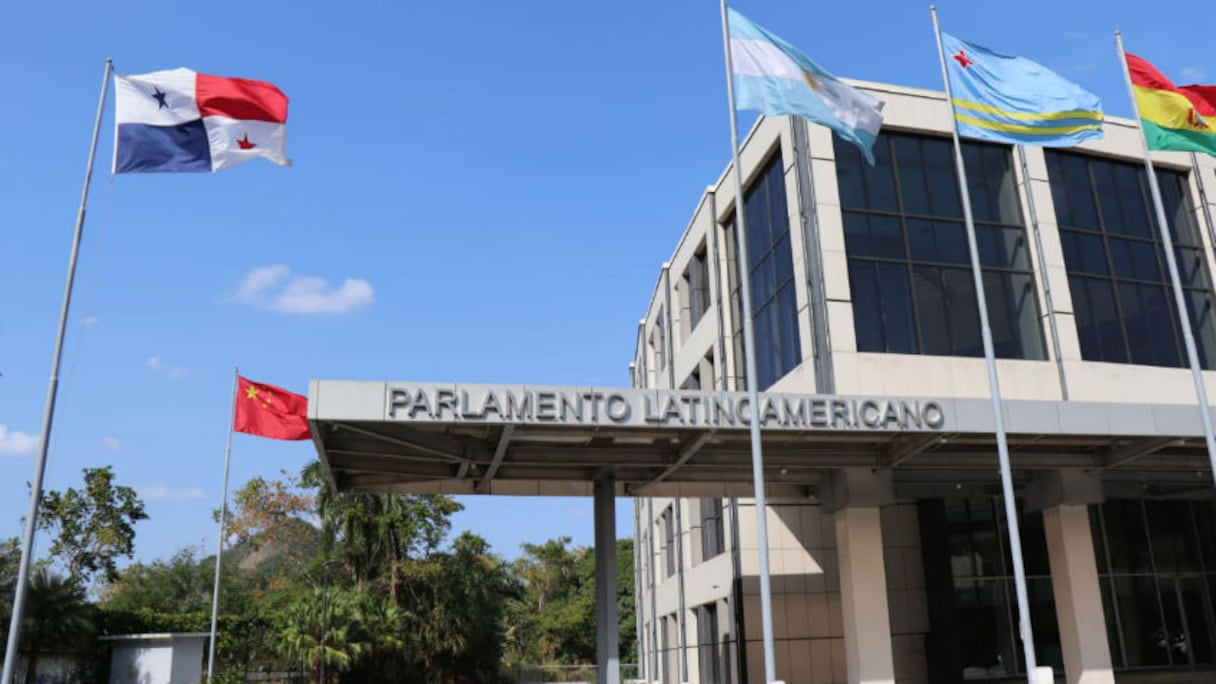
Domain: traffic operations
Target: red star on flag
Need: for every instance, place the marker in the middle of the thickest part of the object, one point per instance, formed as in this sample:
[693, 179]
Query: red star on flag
[963, 59]
[245, 144]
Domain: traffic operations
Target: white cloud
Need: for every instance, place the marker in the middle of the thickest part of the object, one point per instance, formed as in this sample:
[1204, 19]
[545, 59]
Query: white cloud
[261, 279]
[163, 492]
[89, 321]
[158, 366]
[111, 442]
[275, 288]
[1193, 74]
[17, 443]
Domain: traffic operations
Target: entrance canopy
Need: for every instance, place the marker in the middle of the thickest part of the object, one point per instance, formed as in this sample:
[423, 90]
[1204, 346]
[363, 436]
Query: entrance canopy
[557, 441]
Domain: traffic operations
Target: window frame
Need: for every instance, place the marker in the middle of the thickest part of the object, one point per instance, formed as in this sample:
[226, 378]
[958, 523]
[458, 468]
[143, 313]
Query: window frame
[1010, 287]
[773, 360]
[1082, 279]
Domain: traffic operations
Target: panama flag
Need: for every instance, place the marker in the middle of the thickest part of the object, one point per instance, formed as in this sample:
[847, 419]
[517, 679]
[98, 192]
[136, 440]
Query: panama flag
[183, 121]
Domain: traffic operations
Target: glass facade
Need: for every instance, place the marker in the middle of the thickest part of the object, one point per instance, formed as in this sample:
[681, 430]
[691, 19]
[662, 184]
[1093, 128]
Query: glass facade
[984, 594]
[711, 652]
[771, 272]
[909, 267]
[697, 282]
[1157, 568]
[712, 538]
[669, 542]
[1120, 283]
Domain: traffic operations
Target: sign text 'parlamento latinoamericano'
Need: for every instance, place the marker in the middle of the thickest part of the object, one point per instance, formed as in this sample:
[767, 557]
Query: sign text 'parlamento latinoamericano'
[578, 406]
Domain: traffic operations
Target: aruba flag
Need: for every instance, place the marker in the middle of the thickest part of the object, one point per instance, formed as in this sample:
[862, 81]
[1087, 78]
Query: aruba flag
[179, 120]
[1015, 100]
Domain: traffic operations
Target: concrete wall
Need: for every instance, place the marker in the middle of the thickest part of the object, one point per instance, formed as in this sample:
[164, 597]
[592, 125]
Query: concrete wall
[157, 660]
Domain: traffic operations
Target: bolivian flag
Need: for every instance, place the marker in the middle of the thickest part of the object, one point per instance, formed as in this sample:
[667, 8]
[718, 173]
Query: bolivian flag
[1173, 117]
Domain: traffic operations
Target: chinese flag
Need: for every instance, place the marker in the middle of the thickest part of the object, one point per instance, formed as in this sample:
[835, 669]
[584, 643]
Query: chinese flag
[268, 411]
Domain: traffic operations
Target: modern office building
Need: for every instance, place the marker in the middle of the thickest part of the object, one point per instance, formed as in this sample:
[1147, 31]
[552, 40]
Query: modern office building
[890, 560]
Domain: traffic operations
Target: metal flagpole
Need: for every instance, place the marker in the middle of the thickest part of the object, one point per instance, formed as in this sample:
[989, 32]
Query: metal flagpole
[1038, 248]
[219, 549]
[48, 416]
[1167, 243]
[1011, 511]
[749, 355]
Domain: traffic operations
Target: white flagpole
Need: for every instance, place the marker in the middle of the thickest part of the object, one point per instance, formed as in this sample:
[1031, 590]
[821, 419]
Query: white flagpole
[1167, 243]
[749, 354]
[219, 548]
[1002, 445]
[48, 416]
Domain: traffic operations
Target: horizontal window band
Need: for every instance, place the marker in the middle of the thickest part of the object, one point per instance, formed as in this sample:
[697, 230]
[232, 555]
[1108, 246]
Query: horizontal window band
[1132, 281]
[926, 217]
[1103, 231]
[938, 264]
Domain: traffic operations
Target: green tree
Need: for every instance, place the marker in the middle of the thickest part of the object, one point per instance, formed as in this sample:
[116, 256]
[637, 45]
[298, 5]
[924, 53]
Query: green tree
[558, 604]
[92, 527]
[374, 534]
[627, 626]
[57, 617]
[457, 608]
[10, 563]
[181, 584]
[320, 626]
[553, 620]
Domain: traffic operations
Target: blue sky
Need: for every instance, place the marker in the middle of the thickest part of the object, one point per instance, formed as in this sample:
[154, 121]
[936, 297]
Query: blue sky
[486, 189]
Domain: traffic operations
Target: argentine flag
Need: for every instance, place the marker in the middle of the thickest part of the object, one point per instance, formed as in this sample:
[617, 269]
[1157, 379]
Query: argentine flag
[773, 77]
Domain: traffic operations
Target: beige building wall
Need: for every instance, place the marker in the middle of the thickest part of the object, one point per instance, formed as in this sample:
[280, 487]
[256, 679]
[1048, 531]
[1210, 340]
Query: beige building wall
[674, 346]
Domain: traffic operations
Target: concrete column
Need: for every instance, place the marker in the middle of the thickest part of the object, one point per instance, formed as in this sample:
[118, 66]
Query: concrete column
[1074, 581]
[607, 647]
[863, 596]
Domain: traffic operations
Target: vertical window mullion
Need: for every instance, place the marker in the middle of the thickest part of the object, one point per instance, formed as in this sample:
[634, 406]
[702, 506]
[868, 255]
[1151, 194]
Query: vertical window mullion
[1152, 568]
[1110, 263]
[907, 258]
[1112, 586]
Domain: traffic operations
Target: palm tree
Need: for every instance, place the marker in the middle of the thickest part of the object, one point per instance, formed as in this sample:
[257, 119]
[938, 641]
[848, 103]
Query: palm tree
[56, 613]
[317, 628]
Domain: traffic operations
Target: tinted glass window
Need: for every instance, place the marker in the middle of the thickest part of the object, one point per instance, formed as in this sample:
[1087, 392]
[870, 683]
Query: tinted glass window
[977, 540]
[909, 265]
[771, 272]
[1155, 565]
[1122, 296]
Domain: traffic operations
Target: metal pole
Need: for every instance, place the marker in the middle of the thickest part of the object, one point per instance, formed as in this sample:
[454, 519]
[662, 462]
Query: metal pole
[48, 415]
[219, 550]
[1038, 248]
[749, 355]
[1011, 511]
[1167, 242]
